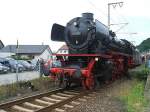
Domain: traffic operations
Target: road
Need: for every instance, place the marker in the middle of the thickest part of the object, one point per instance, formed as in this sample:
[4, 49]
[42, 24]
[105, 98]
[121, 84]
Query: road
[12, 77]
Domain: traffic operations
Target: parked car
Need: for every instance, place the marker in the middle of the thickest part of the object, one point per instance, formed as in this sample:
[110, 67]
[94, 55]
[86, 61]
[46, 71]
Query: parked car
[34, 63]
[4, 69]
[26, 65]
[5, 62]
[14, 64]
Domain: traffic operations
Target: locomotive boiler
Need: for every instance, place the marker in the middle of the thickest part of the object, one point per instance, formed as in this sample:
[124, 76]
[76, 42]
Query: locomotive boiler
[95, 54]
[84, 35]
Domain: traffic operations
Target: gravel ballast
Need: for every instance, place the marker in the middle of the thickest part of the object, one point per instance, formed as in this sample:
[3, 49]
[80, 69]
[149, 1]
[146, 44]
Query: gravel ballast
[106, 98]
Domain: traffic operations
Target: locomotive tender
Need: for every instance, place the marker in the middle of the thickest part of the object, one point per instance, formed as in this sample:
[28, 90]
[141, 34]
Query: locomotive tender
[95, 54]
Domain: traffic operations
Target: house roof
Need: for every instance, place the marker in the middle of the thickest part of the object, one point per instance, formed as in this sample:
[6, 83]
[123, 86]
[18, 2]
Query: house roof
[26, 49]
[64, 47]
[1, 44]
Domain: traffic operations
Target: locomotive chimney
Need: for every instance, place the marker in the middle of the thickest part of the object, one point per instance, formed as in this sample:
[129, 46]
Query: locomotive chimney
[87, 16]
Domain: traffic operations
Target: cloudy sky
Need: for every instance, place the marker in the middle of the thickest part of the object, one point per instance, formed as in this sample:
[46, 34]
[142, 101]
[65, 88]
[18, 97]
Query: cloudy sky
[30, 21]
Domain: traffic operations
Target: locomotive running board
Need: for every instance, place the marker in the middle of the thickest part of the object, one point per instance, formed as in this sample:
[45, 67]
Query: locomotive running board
[83, 55]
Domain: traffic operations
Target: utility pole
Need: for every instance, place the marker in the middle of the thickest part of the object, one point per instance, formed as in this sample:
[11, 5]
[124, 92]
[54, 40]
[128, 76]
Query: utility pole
[114, 5]
[17, 62]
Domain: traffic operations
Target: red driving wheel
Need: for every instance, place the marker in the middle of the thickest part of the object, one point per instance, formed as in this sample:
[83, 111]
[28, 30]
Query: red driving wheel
[84, 84]
[88, 83]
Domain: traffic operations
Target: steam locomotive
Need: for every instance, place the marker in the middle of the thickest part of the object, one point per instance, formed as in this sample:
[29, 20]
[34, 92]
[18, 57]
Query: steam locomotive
[95, 54]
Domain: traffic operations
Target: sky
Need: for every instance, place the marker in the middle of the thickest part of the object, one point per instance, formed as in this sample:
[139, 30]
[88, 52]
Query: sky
[30, 21]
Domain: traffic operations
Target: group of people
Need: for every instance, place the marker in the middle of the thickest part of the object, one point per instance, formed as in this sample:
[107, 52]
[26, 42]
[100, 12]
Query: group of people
[43, 67]
[148, 62]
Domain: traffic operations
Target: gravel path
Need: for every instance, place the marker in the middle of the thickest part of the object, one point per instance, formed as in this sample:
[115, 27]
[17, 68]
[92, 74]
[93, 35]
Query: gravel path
[23, 76]
[106, 98]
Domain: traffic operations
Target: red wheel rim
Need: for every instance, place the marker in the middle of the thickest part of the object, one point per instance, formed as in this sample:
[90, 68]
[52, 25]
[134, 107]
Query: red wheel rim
[84, 84]
[89, 82]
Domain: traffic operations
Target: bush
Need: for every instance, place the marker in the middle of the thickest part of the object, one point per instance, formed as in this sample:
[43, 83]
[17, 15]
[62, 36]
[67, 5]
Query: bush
[20, 58]
[142, 75]
[140, 72]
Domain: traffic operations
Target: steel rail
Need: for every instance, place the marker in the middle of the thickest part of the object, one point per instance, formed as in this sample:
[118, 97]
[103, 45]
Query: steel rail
[59, 104]
[22, 100]
[68, 98]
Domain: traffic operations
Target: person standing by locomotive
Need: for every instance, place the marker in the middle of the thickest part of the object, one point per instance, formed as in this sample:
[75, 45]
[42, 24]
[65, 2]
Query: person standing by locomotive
[41, 67]
[148, 62]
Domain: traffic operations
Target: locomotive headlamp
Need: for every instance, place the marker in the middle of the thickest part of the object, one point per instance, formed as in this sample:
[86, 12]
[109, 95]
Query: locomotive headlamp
[76, 41]
[75, 23]
[96, 59]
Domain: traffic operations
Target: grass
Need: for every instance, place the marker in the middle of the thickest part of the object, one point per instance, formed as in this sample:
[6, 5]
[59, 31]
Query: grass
[134, 99]
[8, 91]
[140, 72]
[13, 90]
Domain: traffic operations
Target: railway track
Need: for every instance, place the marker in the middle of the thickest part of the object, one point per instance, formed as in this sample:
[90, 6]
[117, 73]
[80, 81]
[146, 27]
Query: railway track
[56, 101]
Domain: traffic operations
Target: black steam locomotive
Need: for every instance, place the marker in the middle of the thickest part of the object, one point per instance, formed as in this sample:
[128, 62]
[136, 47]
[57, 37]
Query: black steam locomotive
[93, 51]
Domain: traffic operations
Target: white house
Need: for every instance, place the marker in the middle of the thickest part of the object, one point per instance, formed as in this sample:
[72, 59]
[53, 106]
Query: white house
[63, 50]
[31, 51]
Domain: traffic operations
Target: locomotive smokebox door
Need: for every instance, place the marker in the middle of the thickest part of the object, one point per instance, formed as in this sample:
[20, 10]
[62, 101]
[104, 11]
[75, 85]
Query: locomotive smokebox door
[57, 33]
